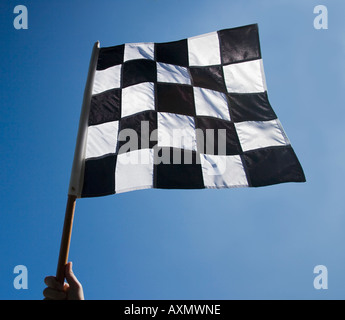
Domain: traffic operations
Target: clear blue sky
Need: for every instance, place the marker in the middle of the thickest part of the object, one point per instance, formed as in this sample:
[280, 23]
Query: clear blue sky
[158, 244]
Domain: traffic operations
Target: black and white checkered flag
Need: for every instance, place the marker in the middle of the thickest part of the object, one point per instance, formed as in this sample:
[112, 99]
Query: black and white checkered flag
[187, 114]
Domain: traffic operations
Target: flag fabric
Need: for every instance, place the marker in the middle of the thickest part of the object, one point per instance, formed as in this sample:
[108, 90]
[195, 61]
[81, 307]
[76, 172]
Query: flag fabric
[188, 114]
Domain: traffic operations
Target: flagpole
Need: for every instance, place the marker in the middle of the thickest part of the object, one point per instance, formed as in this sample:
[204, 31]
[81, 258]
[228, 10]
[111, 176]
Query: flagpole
[66, 238]
[77, 173]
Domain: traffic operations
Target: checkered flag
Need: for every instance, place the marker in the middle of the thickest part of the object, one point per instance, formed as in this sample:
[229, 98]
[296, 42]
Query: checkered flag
[187, 114]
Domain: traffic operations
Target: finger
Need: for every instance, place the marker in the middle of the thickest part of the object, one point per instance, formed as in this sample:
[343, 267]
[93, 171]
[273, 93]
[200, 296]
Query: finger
[70, 277]
[52, 282]
[53, 294]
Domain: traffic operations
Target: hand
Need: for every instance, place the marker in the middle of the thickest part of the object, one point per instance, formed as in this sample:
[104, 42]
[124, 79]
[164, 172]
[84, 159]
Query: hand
[72, 290]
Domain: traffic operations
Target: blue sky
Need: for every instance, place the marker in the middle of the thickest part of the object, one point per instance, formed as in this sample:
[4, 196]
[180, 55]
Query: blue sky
[253, 243]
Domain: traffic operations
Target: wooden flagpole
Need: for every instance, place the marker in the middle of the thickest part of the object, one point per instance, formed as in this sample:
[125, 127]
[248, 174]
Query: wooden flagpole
[66, 238]
[77, 174]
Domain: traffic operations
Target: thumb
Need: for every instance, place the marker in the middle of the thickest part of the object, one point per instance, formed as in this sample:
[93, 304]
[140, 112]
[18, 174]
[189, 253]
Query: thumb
[70, 277]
